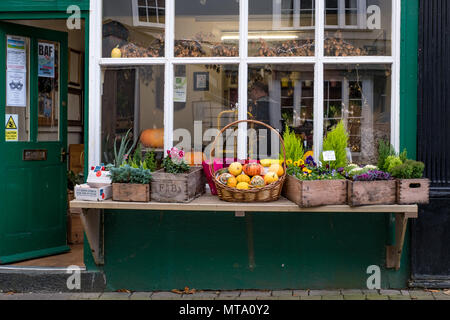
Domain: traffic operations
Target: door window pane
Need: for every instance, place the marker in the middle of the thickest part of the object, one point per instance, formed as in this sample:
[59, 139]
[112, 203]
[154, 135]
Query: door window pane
[133, 98]
[360, 95]
[205, 101]
[358, 28]
[135, 28]
[281, 28]
[17, 100]
[206, 28]
[283, 95]
[48, 91]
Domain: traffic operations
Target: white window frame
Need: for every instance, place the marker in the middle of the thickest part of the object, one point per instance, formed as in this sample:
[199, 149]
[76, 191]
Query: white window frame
[138, 23]
[277, 15]
[96, 62]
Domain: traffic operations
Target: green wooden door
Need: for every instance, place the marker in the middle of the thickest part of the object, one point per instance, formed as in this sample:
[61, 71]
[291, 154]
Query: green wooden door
[33, 182]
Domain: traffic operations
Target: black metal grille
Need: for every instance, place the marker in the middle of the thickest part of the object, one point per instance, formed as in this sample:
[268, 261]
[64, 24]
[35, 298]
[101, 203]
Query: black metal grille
[434, 91]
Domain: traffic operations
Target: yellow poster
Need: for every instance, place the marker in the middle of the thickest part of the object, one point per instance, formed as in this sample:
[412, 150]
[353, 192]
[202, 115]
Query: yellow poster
[11, 127]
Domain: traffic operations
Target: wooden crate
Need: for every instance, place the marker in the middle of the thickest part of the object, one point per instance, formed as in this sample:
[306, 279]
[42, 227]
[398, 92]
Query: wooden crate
[128, 192]
[413, 191]
[365, 193]
[178, 188]
[75, 231]
[308, 194]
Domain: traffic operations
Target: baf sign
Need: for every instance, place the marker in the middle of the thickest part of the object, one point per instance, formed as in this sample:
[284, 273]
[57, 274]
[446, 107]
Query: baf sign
[46, 60]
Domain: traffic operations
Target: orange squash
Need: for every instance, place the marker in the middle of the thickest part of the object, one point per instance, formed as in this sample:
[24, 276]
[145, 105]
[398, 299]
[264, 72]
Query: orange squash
[253, 169]
[194, 158]
[153, 138]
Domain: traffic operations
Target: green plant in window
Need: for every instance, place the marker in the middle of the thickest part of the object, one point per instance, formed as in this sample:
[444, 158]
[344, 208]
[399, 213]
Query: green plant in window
[121, 155]
[337, 141]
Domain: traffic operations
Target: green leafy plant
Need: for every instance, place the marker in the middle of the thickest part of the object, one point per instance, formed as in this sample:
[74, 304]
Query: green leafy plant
[410, 169]
[74, 179]
[128, 174]
[337, 141]
[387, 151]
[121, 155]
[172, 167]
[391, 162]
[293, 145]
[149, 161]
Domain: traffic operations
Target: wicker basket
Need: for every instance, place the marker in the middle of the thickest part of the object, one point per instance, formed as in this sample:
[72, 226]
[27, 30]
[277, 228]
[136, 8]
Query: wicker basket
[268, 193]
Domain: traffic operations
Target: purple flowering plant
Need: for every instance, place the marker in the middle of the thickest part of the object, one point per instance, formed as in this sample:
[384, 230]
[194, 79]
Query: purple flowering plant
[373, 175]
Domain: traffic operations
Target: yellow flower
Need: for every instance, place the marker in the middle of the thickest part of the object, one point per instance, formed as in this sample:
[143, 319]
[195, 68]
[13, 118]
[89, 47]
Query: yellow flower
[296, 163]
[301, 162]
[289, 162]
[306, 170]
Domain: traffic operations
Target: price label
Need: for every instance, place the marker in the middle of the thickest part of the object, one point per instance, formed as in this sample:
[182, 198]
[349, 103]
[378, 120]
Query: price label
[329, 156]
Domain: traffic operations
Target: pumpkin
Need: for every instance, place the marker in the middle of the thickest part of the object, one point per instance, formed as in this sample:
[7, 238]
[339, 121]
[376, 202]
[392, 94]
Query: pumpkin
[153, 138]
[223, 178]
[278, 169]
[235, 169]
[270, 177]
[243, 186]
[253, 169]
[243, 178]
[232, 182]
[257, 182]
[194, 158]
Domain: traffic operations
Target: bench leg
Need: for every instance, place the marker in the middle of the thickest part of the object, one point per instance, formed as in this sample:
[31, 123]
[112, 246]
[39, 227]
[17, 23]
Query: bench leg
[93, 224]
[394, 253]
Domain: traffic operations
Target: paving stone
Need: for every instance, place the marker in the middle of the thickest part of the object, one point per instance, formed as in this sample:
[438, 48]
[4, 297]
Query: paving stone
[85, 296]
[330, 297]
[165, 296]
[141, 296]
[268, 298]
[289, 298]
[225, 298]
[311, 298]
[247, 298]
[301, 293]
[206, 294]
[324, 292]
[376, 297]
[351, 292]
[421, 293]
[441, 296]
[62, 296]
[390, 292]
[255, 294]
[399, 297]
[282, 293]
[354, 297]
[370, 291]
[234, 294]
[15, 296]
[404, 292]
[115, 296]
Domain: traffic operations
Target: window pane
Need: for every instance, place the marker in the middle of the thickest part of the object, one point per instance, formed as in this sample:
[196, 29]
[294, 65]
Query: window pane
[281, 28]
[135, 27]
[133, 98]
[364, 28]
[283, 95]
[48, 92]
[17, 98]
[360, 95]
[206, 28]
[205, 101]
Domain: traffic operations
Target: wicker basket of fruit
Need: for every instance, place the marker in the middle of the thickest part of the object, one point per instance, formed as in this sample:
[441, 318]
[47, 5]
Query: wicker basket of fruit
[248, 181]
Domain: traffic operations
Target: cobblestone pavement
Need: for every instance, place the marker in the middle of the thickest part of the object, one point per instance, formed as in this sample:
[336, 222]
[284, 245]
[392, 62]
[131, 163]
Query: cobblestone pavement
[242, 295]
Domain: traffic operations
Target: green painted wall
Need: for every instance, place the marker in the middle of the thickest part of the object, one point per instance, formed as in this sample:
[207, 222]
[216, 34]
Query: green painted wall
[163, 251]
[41, 5]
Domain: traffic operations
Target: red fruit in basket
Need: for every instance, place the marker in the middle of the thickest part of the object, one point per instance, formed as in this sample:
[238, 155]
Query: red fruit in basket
[253, 169]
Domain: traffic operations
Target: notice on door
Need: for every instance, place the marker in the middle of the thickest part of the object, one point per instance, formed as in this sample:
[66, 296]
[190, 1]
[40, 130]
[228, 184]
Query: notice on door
[16, 89]
[180, 89]
[16, 54]
[12, 127]
[46, 60]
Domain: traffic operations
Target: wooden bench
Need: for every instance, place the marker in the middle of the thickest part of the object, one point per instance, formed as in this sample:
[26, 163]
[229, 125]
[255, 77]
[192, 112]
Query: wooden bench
[93, 217]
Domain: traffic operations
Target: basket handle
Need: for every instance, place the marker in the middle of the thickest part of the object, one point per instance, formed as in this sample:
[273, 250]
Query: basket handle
[211, 158]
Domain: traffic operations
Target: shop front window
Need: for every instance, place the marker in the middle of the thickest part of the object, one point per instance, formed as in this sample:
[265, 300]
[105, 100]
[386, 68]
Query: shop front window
[206, 63]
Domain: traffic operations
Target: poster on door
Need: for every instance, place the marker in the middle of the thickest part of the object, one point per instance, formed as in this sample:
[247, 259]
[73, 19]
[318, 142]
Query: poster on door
[12, 127]
[16, 89]
[46, 60]
[180, 89]
[16, 59]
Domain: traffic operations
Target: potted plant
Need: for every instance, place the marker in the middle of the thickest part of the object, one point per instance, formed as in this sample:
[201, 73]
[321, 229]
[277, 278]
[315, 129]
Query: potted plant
[177, 181]
[412, 188]
[310, 185]
[369, 186]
